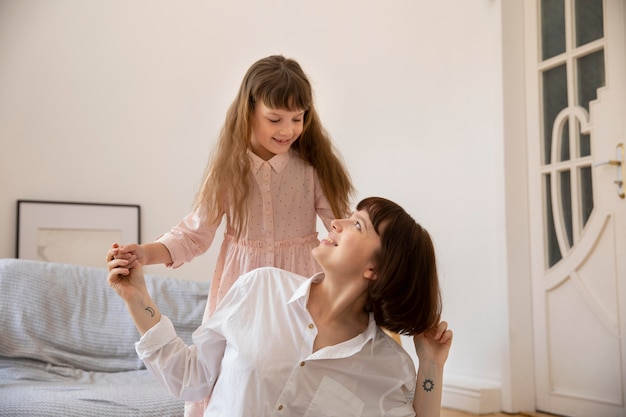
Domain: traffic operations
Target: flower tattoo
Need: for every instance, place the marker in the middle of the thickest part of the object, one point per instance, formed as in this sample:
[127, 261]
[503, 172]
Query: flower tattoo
[428, 385]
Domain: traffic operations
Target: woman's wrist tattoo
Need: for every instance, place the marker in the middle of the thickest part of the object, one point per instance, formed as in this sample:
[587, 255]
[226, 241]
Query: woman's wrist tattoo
[150, 310]
[428, 385]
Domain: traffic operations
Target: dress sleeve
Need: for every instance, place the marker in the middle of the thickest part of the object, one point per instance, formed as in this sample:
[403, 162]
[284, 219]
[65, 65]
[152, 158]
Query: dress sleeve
[322, 206]
[191, 237]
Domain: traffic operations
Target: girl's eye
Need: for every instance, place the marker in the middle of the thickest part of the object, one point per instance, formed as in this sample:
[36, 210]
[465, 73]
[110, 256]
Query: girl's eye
[297, 120]
[357, 225]
[274, 121]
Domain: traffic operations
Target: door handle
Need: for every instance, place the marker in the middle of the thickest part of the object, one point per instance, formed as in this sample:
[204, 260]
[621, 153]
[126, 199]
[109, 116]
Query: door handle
[608, 162]
[621, 171]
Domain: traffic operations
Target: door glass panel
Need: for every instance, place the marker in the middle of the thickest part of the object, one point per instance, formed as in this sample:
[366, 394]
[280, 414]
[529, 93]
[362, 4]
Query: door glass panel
[552, 28]
[554, 252]
[586, 193]
[590, 77]
[554, 100]
[571, 73]
[589, 21]
[584, 142]
[566, 204]
[564, 154]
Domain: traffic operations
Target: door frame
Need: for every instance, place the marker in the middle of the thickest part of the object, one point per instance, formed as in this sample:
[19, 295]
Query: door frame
[518, 380]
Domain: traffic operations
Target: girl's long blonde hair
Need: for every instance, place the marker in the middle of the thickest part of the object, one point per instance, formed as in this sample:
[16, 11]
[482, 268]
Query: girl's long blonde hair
[279, 83]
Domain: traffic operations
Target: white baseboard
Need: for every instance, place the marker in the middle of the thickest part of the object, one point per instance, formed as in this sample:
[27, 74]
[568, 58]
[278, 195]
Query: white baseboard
[472, 395]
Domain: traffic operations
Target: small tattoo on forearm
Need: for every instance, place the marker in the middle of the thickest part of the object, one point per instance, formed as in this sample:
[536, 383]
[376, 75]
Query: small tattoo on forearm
[150, 310]
[428, 385]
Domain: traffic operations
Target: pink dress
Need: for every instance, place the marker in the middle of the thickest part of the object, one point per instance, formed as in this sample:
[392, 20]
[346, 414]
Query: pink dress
[285, 200]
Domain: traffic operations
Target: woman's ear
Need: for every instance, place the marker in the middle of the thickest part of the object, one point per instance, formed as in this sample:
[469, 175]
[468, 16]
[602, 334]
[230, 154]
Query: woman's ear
[370, 274]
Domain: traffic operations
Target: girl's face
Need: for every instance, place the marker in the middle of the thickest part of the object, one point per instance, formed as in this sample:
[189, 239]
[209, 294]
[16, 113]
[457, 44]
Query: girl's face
[274, 130]
[351, 246]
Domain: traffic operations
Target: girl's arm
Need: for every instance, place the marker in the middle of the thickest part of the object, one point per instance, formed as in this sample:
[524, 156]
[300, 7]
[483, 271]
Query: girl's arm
[192, 236]
[432, 348]
[146, 253]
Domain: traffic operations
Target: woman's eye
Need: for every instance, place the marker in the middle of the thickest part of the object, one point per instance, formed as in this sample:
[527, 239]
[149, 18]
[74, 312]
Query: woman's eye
[274, 121]
[357, 225]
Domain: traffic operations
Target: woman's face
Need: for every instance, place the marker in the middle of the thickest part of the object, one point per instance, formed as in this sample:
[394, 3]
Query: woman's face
[274, 130]
[351, 246]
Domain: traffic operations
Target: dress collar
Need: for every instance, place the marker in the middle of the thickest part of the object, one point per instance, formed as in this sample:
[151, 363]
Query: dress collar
[277, 162]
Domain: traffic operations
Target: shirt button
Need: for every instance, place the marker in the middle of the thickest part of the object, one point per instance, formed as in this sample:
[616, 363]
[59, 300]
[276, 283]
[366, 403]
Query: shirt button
[280, 407]
[302, 363]
[311, 325]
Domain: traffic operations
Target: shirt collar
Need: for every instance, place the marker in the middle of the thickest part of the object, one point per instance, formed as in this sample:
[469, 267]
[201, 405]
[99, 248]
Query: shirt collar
[305, 288]
[347, 348]
[277, 162]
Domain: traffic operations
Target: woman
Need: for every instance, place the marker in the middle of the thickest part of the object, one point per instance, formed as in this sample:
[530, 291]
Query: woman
[281, 344]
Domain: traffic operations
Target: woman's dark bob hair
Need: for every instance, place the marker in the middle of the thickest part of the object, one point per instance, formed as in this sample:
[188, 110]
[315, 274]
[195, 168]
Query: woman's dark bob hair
[405, 298]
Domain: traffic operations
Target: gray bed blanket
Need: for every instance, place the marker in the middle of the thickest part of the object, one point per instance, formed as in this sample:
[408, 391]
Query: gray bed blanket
[67, 342]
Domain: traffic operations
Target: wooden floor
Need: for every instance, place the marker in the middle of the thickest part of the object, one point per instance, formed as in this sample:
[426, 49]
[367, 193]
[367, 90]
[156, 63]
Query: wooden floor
[455, 413]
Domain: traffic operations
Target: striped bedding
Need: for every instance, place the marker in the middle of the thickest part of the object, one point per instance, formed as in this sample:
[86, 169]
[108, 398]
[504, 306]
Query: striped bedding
[67, 342]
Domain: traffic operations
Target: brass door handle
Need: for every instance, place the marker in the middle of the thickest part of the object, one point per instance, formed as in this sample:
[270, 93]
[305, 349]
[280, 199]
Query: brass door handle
[609, 162]
[621, 173]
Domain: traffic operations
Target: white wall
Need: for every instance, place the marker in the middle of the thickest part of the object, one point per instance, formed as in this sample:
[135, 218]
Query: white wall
[120, 102]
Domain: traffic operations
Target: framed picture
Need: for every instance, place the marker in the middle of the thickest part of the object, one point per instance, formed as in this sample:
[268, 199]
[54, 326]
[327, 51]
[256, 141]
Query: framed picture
[74, 233]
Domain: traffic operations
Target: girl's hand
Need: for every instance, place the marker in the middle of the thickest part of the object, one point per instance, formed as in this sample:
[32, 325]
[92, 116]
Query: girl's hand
[132, 252]
[433, 345]
[128, 282]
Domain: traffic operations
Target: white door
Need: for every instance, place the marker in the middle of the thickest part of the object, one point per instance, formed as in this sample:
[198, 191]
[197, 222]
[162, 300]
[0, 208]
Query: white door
[576, 80]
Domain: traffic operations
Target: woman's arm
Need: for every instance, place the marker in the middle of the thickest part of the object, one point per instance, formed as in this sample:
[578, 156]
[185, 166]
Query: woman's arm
[177, 366]
[130, 285]
[432, 348]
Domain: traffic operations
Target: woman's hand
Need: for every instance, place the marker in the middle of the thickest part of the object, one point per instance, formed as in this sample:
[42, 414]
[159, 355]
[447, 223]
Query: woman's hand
[432, 348]
[130, 284]
[433, 345]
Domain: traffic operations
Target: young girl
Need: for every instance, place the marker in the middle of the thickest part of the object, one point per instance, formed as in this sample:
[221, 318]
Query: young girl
[323, 352]
[273, 171]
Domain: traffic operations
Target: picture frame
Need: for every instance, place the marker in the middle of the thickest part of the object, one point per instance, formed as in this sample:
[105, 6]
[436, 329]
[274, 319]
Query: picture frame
[74, 232]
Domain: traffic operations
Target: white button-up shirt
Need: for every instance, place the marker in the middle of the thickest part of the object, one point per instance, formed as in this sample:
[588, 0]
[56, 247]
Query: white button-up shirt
[255, 357]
